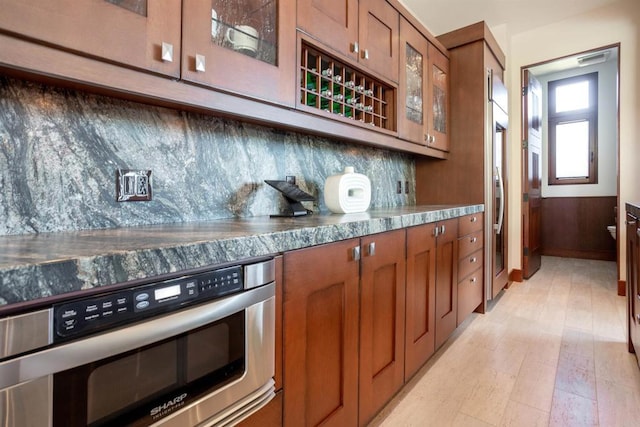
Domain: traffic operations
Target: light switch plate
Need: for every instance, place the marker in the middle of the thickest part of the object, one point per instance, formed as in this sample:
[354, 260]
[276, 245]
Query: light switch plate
[133, 185]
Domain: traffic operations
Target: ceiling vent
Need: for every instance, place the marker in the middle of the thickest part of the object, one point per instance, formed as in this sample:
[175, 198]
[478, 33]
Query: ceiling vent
[594, 58]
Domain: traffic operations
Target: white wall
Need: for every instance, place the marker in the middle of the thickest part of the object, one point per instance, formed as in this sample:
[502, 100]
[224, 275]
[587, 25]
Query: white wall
[616, 23]
[607, 134]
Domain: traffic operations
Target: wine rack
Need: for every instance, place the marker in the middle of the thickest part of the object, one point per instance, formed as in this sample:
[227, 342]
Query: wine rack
[331, 86]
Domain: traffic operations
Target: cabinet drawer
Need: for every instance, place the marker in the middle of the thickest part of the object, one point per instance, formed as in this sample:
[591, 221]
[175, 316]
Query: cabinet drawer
[469, 263]
[470, 243]
[469, 294]
[470, 223]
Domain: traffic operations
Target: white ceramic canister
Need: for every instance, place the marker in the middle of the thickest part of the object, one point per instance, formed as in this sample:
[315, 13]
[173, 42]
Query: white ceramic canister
[347, 192]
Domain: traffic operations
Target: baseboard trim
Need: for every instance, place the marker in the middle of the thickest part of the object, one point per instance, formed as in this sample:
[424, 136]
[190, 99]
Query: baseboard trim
[516, 276]
[622, 288]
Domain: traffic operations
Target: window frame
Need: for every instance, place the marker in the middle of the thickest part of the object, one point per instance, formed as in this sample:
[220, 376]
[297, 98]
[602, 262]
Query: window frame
[589, 114]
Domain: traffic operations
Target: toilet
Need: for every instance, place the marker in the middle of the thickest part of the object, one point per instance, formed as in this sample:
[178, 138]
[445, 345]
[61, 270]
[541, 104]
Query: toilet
[612, 231]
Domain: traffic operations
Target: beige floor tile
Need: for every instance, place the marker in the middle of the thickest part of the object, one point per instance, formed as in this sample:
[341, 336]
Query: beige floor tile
[464, 420]
[618, 405]
[544, 348]
[576, 374]
[613, 362]
[534, 385]
[490, 396]
[569, 410]
[519, 415]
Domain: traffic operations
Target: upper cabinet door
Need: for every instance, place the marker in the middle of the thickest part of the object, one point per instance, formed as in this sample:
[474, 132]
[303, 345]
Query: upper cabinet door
[438, 125]
[142, 34]
[366, 31]
[379, 26]
[412, 92]
[334, 22]
[241, 46]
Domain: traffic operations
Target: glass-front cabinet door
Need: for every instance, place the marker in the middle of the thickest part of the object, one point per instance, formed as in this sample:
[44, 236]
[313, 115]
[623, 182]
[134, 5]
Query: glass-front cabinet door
[438, 126]
[246, 47]
[142, 34]
[412, 100]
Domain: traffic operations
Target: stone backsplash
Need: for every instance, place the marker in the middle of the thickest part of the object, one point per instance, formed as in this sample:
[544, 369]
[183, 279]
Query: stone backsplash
[60, 149]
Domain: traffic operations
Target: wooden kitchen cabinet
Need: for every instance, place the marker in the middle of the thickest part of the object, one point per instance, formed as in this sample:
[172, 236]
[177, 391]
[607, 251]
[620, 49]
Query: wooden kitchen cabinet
[446, 279]
[366, 31]
[140, 34]
[244, 47]
[470, 265]
[421, 297]
[344, 329]
[321, 321]
[382, 320]
[633, 279]
[423, 90]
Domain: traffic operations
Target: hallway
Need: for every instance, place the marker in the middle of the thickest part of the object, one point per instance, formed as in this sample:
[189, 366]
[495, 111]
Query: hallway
[550, 351]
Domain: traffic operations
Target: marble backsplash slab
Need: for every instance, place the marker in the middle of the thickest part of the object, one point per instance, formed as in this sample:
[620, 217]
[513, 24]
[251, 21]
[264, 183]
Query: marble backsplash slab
[60, 149]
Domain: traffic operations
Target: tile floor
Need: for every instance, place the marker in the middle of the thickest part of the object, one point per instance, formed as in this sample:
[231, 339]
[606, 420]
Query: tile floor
[551, 351]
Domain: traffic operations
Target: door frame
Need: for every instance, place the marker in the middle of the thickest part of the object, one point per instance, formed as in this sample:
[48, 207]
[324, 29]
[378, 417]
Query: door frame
[619, 224]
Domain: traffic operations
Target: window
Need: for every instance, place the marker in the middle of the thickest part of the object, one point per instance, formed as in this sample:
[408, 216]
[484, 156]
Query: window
[573, 126]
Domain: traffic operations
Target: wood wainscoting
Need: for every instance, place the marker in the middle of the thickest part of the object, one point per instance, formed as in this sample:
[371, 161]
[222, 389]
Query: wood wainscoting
[576, 227]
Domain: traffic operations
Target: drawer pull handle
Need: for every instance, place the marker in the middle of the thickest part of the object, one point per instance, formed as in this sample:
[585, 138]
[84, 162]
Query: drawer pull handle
[372, 248]
[442, 229]
[355, 253]
[167, 52]
[201, 63]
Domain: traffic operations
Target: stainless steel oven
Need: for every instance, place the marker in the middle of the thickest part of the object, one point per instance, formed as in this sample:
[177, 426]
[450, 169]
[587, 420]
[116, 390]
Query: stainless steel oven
[196, 349]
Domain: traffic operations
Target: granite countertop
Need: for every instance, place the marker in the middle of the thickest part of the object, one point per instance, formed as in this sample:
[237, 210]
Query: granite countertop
[44, 265]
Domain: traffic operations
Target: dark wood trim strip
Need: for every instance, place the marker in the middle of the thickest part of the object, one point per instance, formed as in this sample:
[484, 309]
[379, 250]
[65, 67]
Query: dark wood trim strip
[516, 276]
[622, 288]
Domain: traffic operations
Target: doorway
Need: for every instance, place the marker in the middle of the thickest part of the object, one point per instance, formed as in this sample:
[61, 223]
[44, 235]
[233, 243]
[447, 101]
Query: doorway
[570, 214]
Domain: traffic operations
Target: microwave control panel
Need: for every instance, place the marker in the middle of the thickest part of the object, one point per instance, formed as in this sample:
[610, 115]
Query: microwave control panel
[93, 314]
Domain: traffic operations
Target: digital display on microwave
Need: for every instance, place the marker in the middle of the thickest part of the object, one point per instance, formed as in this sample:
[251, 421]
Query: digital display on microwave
[168, 292]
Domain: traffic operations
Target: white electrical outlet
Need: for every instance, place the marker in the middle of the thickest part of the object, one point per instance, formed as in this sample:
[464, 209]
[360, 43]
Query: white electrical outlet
[133, 185]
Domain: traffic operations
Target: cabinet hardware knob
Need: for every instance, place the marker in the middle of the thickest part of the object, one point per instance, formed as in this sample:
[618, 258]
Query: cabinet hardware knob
[355, 48]
[474, 219]
[201, 63]
[474, 239]
[365, 54]
[473, 259]
[426, 137]
[442, 229]
[167, 52]
[355, 253]
[436, 231]
[371, 249]
[432, 139]
[473, 280]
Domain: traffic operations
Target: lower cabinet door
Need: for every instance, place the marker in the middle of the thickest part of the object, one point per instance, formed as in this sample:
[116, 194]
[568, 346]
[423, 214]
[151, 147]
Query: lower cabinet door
[320, 323]
[446, 280]
[382, 320]
[421, 297]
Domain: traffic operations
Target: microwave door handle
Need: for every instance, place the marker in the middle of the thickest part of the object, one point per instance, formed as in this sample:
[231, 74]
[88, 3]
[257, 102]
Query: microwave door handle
[498, 226]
